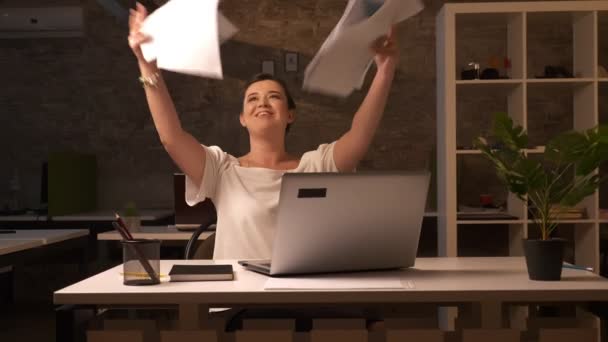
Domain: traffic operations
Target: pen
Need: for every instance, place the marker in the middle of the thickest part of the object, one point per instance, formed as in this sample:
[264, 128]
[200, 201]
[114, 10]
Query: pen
[121, 231]
[575, 267]
[7, 231]
[123, 225]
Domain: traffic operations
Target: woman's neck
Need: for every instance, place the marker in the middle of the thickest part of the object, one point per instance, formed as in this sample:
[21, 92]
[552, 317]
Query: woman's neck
[266, 153]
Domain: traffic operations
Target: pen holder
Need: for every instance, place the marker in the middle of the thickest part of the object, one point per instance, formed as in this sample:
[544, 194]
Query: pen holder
[141, 262]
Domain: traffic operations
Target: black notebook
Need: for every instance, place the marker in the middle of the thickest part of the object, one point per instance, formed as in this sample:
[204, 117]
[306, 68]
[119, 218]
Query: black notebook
[201, 272]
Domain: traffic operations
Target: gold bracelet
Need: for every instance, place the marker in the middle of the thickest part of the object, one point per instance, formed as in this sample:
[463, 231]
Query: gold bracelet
[150, 80]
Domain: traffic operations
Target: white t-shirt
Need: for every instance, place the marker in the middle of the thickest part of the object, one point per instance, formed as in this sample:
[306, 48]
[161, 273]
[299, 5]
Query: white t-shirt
[246, 200]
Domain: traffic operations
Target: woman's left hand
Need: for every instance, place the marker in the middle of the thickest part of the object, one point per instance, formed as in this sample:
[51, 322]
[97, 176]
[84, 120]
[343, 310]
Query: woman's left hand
[386, 49]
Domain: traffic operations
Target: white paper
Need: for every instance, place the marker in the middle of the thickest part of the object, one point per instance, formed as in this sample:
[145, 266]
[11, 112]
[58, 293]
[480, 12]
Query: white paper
[342, 281]
[341, 63]
[186, 35]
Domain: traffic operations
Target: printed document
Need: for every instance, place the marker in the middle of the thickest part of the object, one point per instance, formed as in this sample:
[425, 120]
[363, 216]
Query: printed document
[340, 65]
[186, 37]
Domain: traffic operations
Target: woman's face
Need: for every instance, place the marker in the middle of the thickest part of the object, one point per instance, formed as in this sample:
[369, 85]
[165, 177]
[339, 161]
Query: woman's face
[265, 107]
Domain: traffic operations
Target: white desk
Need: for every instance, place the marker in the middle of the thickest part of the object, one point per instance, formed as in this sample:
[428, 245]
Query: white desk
[487, 282]
[12, 246]
[441, 280]
[163, 233]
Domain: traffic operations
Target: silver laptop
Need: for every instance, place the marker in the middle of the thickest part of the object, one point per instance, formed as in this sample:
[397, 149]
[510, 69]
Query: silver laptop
[337, 222]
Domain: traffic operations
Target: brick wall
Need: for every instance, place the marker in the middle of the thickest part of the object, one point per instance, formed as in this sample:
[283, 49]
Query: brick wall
[83, 94]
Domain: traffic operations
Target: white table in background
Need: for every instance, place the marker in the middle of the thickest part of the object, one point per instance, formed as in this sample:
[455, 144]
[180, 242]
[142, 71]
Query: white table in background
[25, 245]
[169, 235]
[109, 215]
[45, 236]
[163, 233]
[12, 246]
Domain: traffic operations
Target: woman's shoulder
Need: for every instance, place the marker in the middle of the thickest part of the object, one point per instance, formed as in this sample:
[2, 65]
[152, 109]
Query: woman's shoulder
[318, 160]
[319, 152]
[222, 157]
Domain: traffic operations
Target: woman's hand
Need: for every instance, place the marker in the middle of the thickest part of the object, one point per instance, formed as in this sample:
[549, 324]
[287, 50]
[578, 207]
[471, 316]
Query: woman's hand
[136, 38]
[386, 49]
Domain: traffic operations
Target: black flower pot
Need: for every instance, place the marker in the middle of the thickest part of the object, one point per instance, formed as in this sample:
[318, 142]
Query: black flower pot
[544, 258]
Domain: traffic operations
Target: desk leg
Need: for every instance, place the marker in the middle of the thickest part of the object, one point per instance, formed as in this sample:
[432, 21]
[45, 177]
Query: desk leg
[191, 315]
[103, 250]
[83, 266]
[491, 315]
[8, 278]
[484, 315]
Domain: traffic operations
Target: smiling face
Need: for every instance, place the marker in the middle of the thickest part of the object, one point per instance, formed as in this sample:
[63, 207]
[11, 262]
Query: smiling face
[266, 108]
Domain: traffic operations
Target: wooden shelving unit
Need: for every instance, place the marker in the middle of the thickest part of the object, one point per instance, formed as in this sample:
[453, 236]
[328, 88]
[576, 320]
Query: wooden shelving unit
[515, 19]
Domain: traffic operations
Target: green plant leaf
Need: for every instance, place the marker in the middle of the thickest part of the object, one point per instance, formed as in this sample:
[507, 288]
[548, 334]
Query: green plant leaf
[509, 136]
[581, 190]
[565, 179]
[603, 134]
[566, 148]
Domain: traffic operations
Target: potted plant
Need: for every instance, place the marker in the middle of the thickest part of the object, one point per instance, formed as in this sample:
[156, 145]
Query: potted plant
[131, 217]
[551, 185]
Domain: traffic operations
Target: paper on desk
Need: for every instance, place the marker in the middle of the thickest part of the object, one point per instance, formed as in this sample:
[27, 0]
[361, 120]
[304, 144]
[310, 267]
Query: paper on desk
[342, 281]
[340, 65]
[186, 35]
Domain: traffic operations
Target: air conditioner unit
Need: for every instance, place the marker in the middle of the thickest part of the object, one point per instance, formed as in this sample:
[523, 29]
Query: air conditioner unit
[41, 22]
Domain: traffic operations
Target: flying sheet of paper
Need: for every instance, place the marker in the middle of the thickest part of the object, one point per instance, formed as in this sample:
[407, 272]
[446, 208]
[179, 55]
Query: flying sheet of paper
[345, 281]
[340, 65]
[186, 35]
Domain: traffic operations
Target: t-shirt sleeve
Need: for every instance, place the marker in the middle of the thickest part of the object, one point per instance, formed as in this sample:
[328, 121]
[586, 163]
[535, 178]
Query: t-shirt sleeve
[321, 159]
[214, 162]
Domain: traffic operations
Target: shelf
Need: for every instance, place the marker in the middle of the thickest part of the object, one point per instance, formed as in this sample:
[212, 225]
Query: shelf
[533, 35]
[559, 80]
[571, 221]
[539, 150]
[490, 221]
[529, 221]
[490, 82]
[468, 152]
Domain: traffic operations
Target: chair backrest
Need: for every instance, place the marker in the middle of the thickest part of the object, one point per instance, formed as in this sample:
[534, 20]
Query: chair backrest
[205, 248]
[196, 249]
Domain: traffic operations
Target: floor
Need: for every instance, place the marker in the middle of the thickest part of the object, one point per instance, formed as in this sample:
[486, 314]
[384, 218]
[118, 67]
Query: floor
[27, 322]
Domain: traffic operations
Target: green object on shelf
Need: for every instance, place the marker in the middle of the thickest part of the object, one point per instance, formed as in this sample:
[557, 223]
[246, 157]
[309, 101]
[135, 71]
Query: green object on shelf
[130, 209]
[72, 183]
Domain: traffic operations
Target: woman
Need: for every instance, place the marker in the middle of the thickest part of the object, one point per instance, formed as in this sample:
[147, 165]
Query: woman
[245, 190]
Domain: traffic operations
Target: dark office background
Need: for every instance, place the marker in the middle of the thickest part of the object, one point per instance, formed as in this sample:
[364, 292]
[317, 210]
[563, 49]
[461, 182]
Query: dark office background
[82, 94]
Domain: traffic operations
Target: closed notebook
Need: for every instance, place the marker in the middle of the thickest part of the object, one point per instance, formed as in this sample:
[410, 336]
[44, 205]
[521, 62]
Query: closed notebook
[201, 272]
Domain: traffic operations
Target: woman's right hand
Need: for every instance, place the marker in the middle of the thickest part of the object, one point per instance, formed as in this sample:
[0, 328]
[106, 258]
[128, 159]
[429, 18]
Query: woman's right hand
[136, 38]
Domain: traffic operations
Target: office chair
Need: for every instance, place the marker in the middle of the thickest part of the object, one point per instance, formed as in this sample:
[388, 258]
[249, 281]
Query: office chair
[203, 250]
[205, 213]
